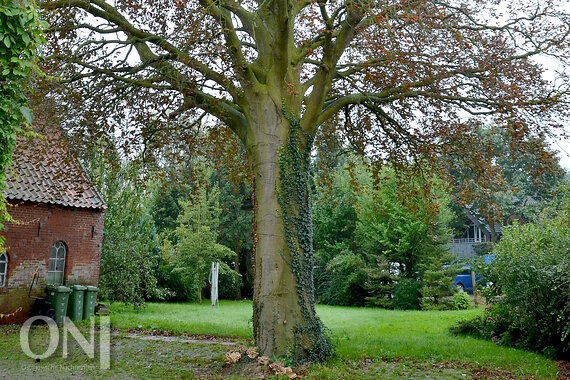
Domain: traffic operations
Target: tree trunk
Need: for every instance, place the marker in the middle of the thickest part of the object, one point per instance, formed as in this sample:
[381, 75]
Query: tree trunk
[284, 318]
[492, 230]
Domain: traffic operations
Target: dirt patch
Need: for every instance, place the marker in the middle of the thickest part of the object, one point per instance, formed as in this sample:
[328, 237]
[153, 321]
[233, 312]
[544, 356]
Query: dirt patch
[563, 370]
[180, 339]
[245, 369]
[248, 368]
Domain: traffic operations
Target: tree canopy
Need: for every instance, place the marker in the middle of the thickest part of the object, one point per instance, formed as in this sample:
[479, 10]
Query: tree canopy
[373, 65]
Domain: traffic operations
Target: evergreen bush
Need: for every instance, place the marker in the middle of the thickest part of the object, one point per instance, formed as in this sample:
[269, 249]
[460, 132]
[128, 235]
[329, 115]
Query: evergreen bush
[407, 294]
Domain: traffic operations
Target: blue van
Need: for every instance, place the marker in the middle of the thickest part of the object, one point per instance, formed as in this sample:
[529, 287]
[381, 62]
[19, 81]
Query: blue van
[464, 282]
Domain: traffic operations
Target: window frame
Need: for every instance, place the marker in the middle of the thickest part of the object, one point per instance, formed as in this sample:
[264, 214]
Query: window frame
[4, 276]
[56, 276]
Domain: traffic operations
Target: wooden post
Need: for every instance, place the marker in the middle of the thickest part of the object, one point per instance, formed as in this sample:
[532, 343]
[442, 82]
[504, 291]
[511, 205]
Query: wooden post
[474, 287]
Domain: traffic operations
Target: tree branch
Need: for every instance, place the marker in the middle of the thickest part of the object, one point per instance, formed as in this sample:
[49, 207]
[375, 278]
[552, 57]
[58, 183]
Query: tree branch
[332, 53]
[101, 9]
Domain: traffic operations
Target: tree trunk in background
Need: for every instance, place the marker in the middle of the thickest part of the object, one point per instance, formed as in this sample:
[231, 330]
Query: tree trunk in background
[284, 316]
[492, 230]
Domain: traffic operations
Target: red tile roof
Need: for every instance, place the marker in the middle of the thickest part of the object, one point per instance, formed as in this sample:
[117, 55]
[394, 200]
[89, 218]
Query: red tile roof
[44, 171]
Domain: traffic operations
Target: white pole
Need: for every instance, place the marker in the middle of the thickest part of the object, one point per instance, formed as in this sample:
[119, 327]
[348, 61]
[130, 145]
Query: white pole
[214, 283]
[217, 284]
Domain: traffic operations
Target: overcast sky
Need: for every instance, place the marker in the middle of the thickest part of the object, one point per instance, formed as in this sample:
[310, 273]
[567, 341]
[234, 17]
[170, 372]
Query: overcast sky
[563, 146]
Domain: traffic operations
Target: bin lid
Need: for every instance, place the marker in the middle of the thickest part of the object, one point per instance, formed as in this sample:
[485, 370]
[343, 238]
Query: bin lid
[92, 288]
[78, 287]
[58, 289]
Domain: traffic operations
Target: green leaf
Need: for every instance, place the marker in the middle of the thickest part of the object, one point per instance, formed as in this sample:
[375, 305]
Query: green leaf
[27, 114]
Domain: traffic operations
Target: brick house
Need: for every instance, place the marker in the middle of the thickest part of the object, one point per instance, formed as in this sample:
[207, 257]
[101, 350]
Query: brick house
[57, 226]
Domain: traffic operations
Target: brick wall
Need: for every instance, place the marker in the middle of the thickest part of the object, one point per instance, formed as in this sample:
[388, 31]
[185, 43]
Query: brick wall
[28, 243]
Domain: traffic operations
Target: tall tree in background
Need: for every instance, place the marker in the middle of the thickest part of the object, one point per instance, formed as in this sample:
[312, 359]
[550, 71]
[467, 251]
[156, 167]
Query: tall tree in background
[130, 248]
[196, 247]
[365, 234]
[394, 76]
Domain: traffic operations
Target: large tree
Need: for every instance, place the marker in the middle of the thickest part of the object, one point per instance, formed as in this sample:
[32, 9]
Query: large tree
[393, 76]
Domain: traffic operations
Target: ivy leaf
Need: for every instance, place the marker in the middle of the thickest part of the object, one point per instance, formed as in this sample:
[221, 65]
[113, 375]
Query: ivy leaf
[27, 114]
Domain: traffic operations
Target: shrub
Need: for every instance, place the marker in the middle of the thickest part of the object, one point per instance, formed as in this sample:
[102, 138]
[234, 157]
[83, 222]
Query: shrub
[428, 303]
[229, 283]
[407, 294]
[461, 301]
[495, 324]
[473, 327]
[346, 280]
[531, 272]
[439, 271]
[482, 249]
[380, 285]
[130, 251]
[172, 280]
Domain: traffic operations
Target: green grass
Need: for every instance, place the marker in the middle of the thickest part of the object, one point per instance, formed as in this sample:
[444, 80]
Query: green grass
[422, 335]
[357, 332]
[232, 318]
[371, 344]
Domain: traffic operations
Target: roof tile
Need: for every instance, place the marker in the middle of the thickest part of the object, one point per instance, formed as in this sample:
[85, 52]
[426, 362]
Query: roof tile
[44, 170]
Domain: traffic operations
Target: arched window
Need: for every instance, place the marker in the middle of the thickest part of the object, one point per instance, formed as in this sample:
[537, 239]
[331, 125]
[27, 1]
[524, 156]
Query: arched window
[3, 269]
[56, 263]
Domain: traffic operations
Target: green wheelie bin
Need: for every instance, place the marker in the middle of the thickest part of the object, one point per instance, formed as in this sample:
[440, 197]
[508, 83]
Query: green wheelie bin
[58, 297]
[90, 301]
[75, 304]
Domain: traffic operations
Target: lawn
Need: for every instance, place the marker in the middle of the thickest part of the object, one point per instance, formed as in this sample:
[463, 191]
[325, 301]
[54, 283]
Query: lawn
[371, 343]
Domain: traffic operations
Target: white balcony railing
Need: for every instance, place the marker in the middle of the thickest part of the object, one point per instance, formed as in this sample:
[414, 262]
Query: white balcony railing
[468, 240]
